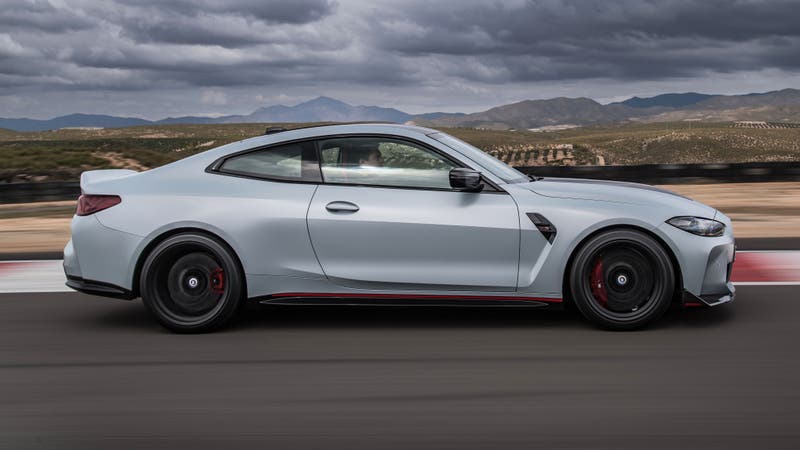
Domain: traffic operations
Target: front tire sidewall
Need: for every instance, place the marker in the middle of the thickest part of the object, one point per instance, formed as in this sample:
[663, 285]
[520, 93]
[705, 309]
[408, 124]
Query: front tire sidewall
[230, 299]
[660, 298]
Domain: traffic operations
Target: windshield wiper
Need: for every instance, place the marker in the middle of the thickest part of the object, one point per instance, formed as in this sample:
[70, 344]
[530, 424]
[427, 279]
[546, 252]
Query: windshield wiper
[534, 178]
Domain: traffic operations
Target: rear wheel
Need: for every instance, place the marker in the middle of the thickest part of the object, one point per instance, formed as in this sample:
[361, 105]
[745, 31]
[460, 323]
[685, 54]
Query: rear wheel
[191, 283]
[622, 280]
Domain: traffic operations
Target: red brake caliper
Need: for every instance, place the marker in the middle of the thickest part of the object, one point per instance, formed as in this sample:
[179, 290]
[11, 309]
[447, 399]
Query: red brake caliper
[218, 281]
[596, 280]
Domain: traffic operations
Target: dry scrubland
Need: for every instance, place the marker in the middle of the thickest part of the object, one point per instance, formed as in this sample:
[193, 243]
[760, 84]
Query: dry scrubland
[63, 154]
[758, 209]
[662, 143]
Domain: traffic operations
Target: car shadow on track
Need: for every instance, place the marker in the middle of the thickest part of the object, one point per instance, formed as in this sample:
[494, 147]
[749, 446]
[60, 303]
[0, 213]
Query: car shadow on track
[454, 317]
[134, 316]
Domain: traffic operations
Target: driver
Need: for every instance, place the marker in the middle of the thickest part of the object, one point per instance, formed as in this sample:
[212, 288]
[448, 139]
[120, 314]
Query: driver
[367, 156]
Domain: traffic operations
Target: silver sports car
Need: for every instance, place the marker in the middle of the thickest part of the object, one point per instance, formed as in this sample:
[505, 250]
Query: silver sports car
[388, 214]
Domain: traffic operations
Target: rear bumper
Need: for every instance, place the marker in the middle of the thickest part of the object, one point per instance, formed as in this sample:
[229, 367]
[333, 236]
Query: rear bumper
[98, 253]
[98, 288]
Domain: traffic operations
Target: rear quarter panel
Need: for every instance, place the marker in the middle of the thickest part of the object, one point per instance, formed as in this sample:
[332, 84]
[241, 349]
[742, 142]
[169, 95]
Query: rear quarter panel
[264, 222]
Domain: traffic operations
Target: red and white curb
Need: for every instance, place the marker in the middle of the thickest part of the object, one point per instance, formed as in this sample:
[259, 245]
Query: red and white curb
[778, 267]
[32, 276]
[768, 268]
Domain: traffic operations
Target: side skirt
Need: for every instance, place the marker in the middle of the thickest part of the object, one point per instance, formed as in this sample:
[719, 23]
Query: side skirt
[327, 299]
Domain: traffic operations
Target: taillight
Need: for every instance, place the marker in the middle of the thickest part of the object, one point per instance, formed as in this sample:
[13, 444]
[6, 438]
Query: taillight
[90, 204]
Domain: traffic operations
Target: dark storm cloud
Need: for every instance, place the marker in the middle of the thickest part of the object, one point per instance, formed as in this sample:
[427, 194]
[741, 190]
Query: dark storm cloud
[41, 16]
[272, 11]
[215, 22]
[416, 46]
[128, 44]
[514, 28]
[540, 40]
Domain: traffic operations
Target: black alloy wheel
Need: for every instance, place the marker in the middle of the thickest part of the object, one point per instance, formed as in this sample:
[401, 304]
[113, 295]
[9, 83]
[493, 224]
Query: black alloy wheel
[192, 283]
[622, 279]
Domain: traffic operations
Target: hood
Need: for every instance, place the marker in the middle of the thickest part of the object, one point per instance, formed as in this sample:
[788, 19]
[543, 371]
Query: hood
[618, 192]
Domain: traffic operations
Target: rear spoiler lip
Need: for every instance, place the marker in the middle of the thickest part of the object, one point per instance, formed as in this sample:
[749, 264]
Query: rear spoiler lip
[93, 177]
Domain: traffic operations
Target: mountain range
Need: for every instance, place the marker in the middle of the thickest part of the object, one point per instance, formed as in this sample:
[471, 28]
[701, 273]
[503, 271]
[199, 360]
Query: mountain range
[774, 106]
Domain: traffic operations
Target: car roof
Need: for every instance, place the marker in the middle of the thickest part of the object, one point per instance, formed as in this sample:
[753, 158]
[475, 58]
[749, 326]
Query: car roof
[350, 128]
[205, 158]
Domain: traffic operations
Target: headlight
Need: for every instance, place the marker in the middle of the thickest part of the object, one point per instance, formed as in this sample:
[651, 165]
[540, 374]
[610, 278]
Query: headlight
[698, 225]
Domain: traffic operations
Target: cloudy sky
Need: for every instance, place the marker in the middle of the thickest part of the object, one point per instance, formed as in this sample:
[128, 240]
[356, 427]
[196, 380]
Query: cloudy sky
[158, 58]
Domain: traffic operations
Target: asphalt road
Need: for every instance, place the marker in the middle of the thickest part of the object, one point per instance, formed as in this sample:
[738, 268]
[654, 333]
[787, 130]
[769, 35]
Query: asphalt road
[85, 372]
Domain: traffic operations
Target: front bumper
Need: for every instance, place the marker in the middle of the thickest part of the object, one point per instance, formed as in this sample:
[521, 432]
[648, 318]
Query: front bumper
[690, 299]
[706, 264]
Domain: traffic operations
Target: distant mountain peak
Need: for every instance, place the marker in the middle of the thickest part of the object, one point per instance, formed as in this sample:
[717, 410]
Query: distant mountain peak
[323, 101]
[326, 109]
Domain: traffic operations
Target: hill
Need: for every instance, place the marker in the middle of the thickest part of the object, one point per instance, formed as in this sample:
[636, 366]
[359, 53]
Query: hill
[320, 109]
[323, 109]
[537, 113]
[666, 100]
[71, 121]
[775, 106]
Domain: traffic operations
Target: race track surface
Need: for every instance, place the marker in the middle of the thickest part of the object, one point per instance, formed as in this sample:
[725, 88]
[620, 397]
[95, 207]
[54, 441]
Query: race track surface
[86, 372]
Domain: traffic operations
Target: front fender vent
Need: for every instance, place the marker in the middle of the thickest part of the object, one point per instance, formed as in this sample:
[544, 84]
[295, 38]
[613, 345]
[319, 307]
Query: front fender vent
[544, 226]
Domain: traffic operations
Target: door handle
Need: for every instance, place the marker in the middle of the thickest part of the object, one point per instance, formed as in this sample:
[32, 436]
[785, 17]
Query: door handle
[341, 207]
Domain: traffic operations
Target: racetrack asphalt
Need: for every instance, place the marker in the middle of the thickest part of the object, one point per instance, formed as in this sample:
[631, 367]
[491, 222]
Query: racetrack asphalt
[84, 372]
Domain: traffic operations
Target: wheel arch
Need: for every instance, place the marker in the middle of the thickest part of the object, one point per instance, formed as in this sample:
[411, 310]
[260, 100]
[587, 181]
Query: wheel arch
[165, 234]
[565, 287]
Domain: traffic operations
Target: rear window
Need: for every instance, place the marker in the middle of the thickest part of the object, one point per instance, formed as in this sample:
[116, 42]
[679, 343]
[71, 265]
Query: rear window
[296, 161]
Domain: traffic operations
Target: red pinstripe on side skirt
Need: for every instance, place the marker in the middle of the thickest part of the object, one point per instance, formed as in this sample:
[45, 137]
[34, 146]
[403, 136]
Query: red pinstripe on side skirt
[413, 296]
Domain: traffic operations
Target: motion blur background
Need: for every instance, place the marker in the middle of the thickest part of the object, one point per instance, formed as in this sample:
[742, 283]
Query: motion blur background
[697, 97]
[543, 85]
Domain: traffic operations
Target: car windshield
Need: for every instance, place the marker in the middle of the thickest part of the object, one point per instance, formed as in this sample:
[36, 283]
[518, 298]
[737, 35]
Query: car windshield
[489, 162]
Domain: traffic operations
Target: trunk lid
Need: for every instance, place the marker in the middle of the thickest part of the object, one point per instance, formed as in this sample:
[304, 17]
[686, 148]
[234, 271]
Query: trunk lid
[92, 181]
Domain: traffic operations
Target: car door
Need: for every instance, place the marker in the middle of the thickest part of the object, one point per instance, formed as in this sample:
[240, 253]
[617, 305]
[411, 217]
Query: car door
[386, 218]
[262, 202]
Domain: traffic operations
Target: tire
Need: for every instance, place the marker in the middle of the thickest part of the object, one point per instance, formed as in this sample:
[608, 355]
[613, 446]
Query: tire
[622, 280]
[192, 283]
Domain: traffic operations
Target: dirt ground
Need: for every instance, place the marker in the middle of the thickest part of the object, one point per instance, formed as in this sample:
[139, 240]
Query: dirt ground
[757, 210]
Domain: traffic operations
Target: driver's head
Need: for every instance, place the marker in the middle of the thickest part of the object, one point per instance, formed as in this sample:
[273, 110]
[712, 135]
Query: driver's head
[367, 156]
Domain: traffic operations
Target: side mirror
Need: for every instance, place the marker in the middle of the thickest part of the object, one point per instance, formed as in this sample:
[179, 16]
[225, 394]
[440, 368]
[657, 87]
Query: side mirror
[466, 180]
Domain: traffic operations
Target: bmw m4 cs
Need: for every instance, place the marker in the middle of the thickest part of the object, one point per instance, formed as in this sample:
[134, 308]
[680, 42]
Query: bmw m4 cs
[387, 214]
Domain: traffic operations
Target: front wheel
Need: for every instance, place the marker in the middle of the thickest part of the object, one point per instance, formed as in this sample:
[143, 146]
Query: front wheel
[191, 283]
[622, 279]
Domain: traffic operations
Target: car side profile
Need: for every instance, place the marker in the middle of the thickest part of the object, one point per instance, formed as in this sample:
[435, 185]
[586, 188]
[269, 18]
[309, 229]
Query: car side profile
[387, 214]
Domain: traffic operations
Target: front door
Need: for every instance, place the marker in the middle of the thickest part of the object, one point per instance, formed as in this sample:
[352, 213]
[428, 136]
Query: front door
[387, 219]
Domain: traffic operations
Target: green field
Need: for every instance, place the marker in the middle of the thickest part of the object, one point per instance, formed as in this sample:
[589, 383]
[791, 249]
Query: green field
[63, 154]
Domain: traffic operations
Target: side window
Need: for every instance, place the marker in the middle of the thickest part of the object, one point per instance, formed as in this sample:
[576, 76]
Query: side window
[383, 162]
[294, 162]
